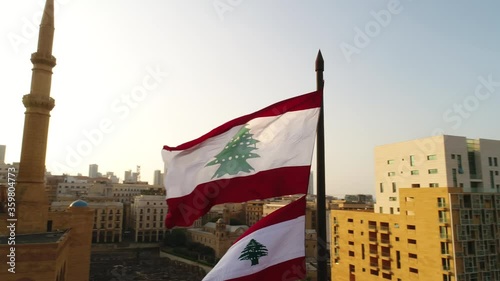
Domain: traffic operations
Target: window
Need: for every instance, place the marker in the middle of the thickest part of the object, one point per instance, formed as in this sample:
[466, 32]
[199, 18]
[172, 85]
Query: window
[350, 231]
[431, 157]
[495, 162]
[433, 184]
[412, 241]
[389, 162]
[350, 220]
[490, 161]
[453, 156]
[433, 171]
[393, 187]
[351, 253]
[413, 270]
[392, 199]
[381, 187]
[412, 256]
[411, 227]
[414, 172]
[391, 174]
[412, 160]
[492, 179]
[351, 243]
[381, 210]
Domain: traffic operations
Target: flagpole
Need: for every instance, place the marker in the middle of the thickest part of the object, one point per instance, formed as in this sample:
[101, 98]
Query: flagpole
[320, 178]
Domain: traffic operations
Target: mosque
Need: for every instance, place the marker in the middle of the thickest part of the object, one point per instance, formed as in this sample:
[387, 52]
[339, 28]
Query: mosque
[40, 245]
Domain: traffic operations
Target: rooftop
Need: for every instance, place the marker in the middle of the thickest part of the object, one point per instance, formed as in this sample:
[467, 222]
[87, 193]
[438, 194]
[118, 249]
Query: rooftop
[37, 238]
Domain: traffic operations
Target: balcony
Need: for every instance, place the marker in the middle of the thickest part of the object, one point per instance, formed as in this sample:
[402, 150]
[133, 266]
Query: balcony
[373, 240]
[446, 267]
[374, 264]
[372, 227]
[386, 255]
[442, 205]
[443, 221]
[385, 241]
[384, 229]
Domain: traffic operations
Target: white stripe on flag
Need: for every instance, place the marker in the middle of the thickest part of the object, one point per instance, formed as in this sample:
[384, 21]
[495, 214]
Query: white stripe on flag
[288, 139]
[280, 240]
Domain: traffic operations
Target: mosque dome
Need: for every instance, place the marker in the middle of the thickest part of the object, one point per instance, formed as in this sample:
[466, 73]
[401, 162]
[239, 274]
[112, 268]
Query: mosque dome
[79, 203]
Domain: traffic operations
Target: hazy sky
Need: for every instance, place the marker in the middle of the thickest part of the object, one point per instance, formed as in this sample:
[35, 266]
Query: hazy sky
[132, 76]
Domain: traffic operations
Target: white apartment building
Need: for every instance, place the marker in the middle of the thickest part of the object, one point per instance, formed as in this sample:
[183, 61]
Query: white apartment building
[439, 161]
[147, 214]
[125, 192]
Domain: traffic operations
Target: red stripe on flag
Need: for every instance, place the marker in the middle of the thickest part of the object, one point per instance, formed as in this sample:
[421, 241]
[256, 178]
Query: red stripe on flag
[183, 211]
[289, 270]
[302, 102]
[286, 213]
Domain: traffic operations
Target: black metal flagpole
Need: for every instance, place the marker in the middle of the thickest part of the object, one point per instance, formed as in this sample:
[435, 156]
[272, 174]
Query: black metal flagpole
[320, 178]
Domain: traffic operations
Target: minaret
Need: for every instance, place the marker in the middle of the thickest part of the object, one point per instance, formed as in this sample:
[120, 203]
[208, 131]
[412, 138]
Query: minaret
[32, 202]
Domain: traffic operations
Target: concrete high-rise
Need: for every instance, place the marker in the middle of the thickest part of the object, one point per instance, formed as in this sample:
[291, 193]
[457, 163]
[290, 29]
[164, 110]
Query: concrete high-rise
[93, 171]
[439, 161]
[2, 154]
[48, 245]
[437, 216]
[158, 178]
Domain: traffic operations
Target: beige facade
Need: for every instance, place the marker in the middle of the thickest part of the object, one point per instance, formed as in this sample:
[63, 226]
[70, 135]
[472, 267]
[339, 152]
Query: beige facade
[107, 220]
[440, 234]
[125, 192]
[218, 236]
[439, 161]
[147, 213]
[253, 211]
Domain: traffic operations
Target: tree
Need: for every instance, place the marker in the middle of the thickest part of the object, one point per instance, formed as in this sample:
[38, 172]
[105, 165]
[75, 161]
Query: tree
[233, 158]
[175, 238]
[253, 251]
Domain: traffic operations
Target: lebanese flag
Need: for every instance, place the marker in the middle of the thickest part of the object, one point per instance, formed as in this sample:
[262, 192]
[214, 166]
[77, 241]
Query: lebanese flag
[272, 249]
[261, 155]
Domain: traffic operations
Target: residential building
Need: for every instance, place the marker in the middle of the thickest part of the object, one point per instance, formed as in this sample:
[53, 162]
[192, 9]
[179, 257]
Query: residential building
[2, 153]
[158, 177]
[254, 210]
[147, 213]
[108, 219]
[439, 161]
[93, 171]
[440, 234]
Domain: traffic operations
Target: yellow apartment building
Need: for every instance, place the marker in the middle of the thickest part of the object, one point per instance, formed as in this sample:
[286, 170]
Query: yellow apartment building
[439, 234]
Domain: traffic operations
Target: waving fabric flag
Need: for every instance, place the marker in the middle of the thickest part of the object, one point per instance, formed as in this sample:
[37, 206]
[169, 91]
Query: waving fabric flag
[272, 249]
[264, 154]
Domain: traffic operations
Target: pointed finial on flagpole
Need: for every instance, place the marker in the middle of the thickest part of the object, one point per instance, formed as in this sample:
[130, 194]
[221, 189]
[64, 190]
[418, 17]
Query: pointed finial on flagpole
[320, 67]
[320, 63]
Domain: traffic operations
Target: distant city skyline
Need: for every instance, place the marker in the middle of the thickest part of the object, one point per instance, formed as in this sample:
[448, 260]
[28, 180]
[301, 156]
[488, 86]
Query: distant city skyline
[163, 73]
